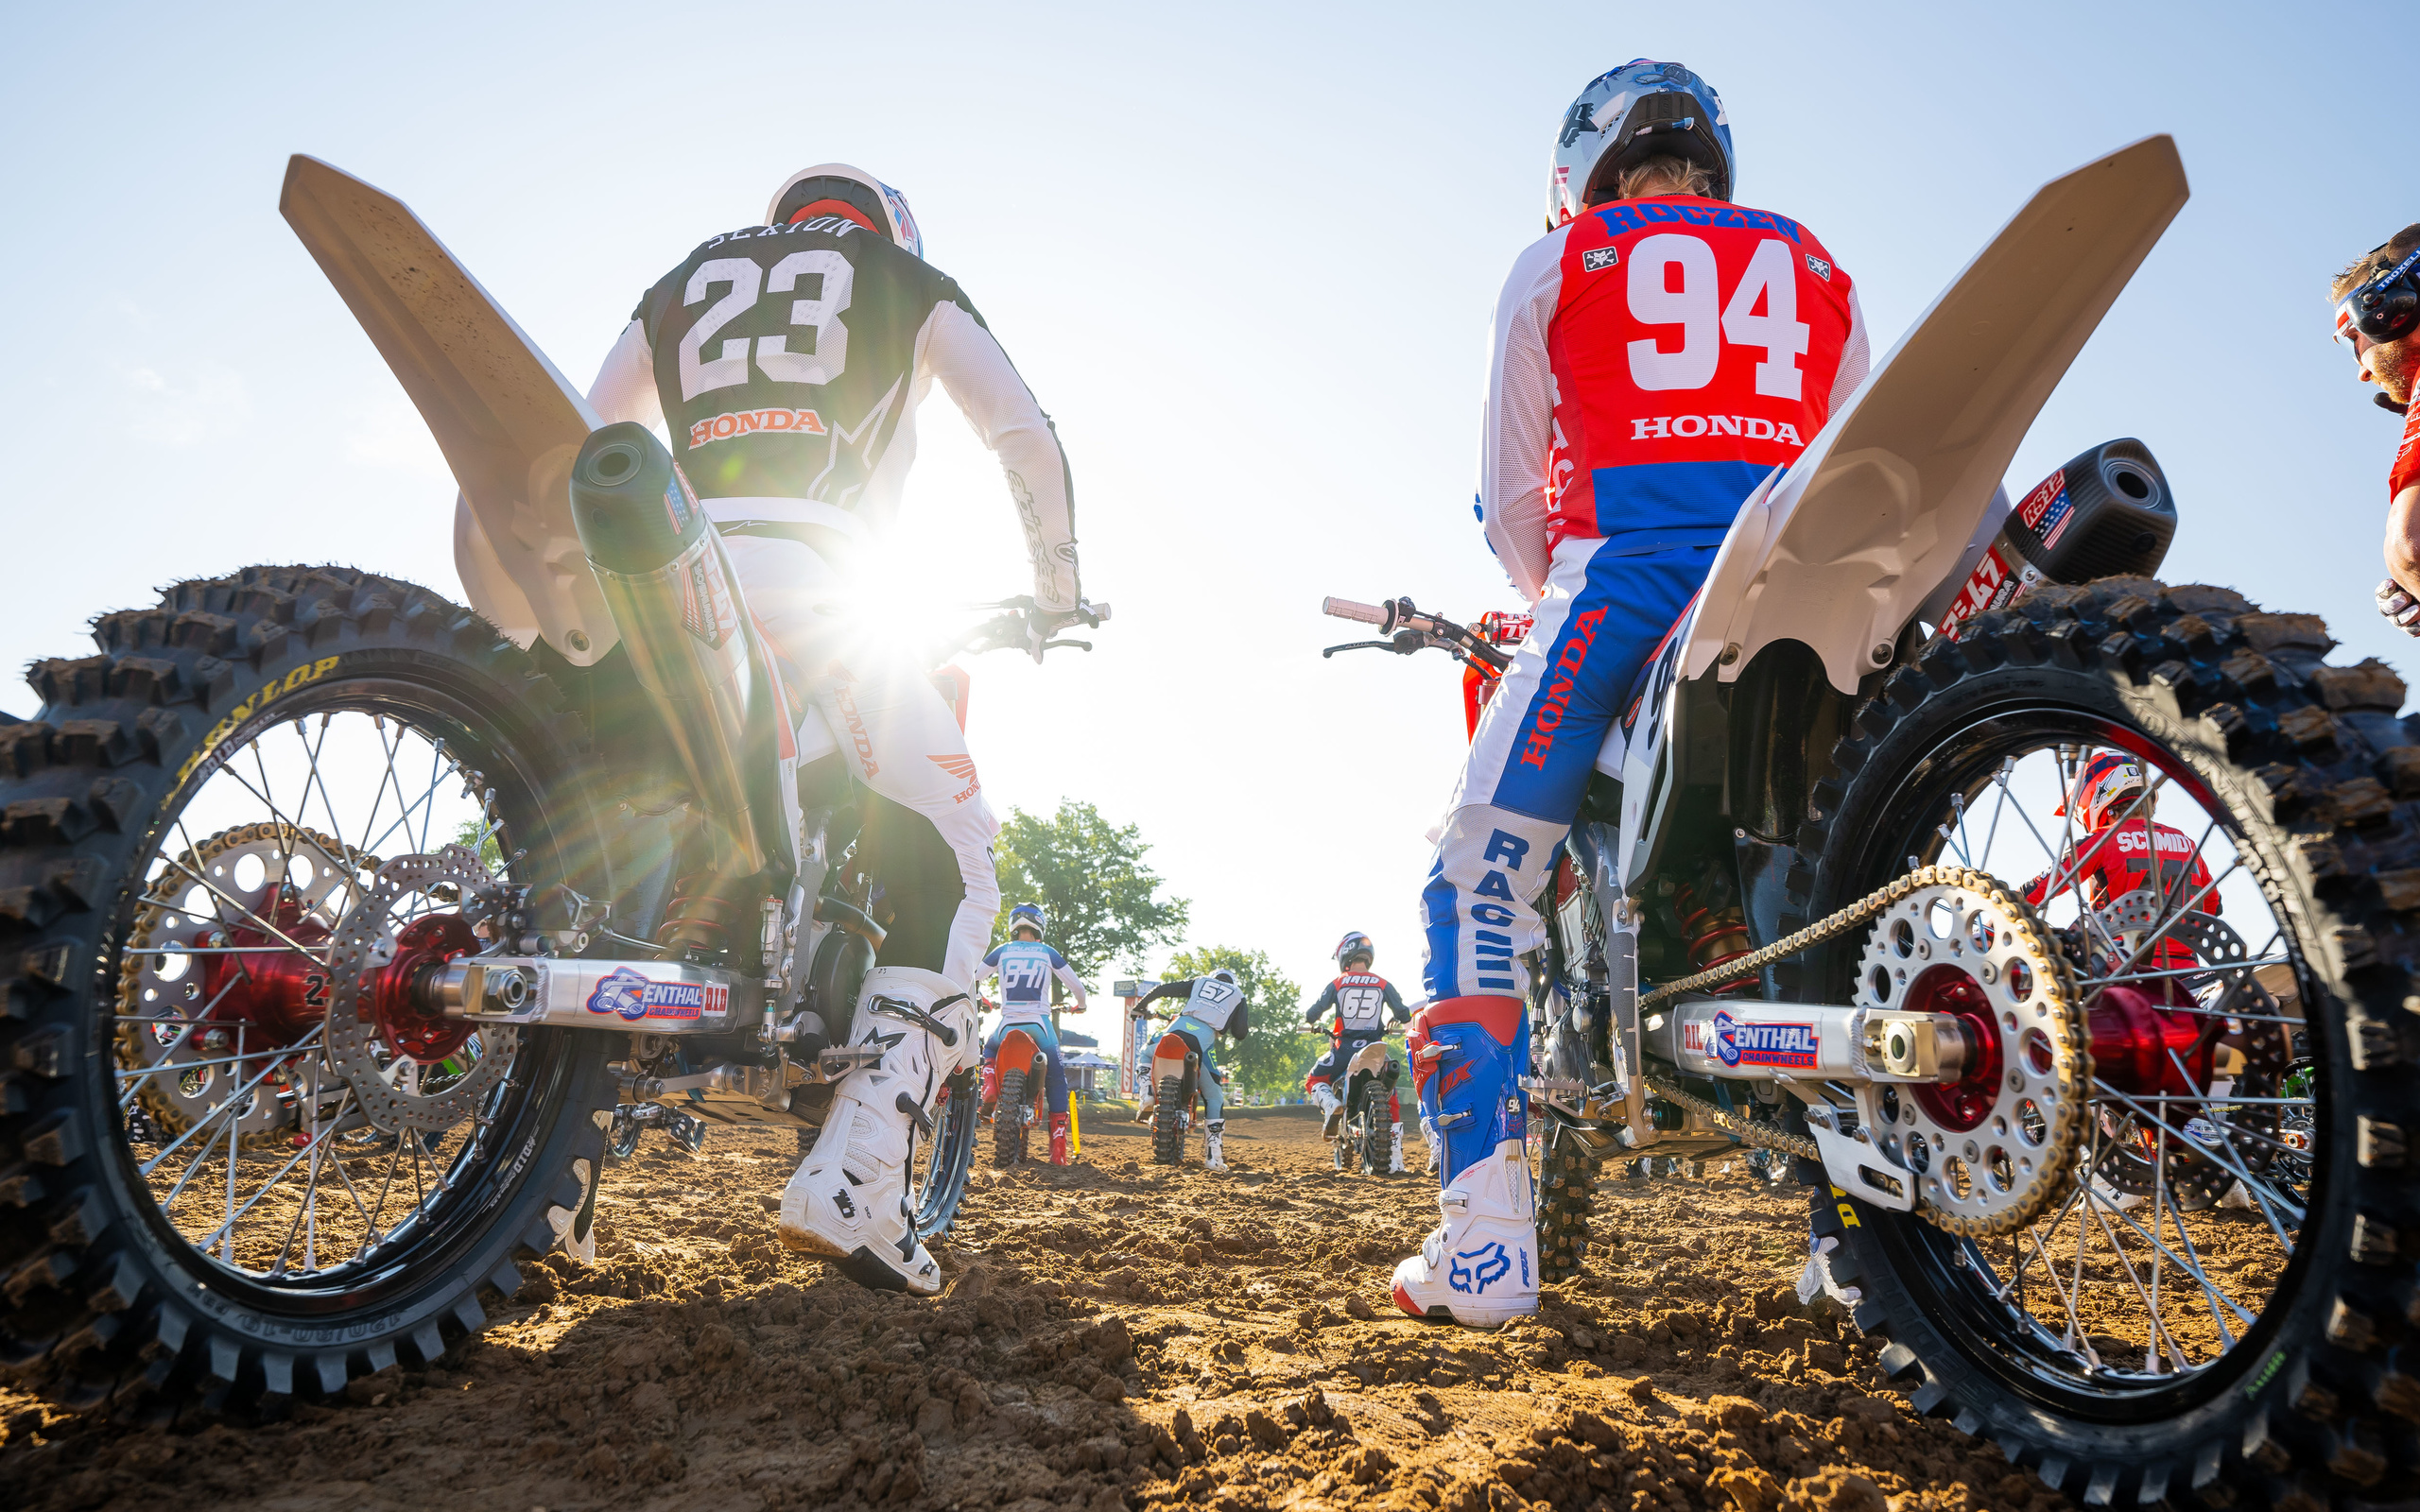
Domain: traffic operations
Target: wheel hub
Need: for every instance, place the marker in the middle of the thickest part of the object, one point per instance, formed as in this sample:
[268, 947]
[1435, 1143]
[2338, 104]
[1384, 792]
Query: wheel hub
[197, 1027]
[1990, 1151]
[2142, 1046]
[263, 983]
[377, 1010]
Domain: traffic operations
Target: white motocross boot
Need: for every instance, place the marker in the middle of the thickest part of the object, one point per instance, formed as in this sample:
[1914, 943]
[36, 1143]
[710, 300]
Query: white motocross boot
[1332, 1106]
[1480, 1266]
[1214, 1145]
[847, 1202]
[1395, 1166]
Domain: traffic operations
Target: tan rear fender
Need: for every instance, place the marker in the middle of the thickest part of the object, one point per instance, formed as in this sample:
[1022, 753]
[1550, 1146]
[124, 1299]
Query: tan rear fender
[508, 424]
[1841, 550]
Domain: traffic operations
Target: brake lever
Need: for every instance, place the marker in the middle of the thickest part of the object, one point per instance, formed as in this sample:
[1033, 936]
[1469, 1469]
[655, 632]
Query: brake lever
[1359, 645]
[1053, 645]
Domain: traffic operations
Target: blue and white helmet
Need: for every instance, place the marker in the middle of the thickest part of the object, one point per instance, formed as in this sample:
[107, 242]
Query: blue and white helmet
[837, 188]
[1028, 915]
[1641, 109]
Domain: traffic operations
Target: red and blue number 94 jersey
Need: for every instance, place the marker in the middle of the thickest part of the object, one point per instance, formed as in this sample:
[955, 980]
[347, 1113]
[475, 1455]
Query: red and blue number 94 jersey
[1653, 360]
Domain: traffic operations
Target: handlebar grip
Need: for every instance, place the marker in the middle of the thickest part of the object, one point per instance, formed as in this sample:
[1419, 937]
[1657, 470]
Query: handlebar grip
[1101, 611]
[1345, 608]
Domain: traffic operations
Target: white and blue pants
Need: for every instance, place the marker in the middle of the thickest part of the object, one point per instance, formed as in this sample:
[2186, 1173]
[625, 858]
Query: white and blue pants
[1604, 612]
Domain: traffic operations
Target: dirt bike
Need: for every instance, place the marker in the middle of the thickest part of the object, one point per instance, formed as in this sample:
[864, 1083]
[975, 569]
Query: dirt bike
[1176, 1082]
[1021, 1099]
[1367, 1138]
[2148, 1227]
[335, 923]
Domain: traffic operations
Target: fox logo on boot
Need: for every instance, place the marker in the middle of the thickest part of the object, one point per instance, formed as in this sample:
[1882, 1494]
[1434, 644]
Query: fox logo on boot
[1494, 1265]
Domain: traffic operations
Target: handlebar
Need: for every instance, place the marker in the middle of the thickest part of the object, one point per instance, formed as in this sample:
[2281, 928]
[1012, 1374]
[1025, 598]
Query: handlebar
[1020, 624]
[1408, 630]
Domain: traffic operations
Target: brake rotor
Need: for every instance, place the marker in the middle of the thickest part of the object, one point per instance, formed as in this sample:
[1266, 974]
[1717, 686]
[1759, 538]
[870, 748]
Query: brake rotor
[191, 1015]
[377, 1035]
[1996, 1149]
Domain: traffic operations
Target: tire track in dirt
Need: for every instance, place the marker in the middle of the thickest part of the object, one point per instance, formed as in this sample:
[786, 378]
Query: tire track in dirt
[1112, 1335]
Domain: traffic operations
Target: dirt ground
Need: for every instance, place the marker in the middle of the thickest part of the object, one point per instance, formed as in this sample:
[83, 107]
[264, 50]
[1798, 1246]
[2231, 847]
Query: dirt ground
[1113, 1335]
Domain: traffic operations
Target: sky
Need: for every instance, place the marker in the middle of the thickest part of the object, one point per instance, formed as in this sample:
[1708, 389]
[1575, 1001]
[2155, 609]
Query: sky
[1245, 255]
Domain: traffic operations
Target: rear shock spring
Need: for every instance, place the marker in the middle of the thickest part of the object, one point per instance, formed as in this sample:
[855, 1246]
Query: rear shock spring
[705, 908]
[1715, 935]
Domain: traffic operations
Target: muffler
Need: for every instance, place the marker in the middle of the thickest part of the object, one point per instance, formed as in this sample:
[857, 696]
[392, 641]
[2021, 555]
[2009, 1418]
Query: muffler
[677, 602]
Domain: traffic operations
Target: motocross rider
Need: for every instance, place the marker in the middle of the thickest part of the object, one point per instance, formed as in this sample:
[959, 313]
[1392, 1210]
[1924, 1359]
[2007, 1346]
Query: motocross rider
[2377, 310]
[1026, 967]
[787, 360]
[1655, 355]
[1355, 1007]
[1214, 1005]
[2112, 804]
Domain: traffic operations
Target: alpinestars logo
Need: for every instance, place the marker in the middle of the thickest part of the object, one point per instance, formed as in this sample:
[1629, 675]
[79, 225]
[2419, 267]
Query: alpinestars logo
[961, 767]
[1492, 1265]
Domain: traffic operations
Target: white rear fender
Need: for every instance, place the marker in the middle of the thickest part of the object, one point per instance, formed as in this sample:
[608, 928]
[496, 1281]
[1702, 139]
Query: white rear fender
[1841, 550]
[1372, 1059]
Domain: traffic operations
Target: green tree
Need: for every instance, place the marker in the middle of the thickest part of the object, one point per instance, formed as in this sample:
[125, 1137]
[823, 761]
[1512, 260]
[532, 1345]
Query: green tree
[1088, 874]
[1280, 1050]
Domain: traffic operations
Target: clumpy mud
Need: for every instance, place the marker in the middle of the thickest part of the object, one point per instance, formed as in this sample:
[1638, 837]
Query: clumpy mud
[1113, 1335]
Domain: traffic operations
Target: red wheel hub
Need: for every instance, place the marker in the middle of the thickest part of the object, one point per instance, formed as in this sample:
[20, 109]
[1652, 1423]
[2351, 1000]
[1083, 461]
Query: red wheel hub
[281, 992]
[409, 1017]
[2134, 1034]
[1962, 1105]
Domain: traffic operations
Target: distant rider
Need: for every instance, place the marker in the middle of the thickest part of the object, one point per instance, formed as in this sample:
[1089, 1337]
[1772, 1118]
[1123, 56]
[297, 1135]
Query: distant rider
[2113, 805]
[1026, 967]
[1655, 356]
[1355, 1009]
[787, 361]
[1214, 1005]
[2377, 310]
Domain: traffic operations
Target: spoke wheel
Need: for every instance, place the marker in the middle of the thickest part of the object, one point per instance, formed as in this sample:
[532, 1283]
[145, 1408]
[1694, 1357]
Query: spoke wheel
[275, 1196]
[945, 1157]
[2197, 1314]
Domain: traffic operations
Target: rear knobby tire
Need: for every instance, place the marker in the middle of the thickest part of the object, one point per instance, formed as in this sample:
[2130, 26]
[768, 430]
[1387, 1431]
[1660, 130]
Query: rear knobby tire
[1374, 1134]
[1167, 1124]
[2316, 1406]
[105, 1302]
[1010, 1116]
[1567, 1199]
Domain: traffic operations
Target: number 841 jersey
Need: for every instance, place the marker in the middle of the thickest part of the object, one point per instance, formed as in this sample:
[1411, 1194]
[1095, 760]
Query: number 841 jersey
[1653, 360]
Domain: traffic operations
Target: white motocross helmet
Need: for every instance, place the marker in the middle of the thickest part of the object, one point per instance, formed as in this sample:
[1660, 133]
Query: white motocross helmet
[868, 200]
[1636, 111]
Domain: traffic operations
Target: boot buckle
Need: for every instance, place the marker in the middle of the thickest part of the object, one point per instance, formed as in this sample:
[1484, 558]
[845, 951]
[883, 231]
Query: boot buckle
[910, 1013]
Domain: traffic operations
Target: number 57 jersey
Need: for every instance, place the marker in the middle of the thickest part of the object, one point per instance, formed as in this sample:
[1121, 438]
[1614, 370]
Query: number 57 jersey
[1653, 360]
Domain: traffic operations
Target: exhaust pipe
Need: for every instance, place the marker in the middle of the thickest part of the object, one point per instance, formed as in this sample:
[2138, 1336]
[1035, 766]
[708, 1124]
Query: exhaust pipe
[678, 604]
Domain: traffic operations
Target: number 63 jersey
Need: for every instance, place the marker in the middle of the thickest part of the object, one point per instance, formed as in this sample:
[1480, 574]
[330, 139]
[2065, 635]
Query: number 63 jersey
[1652, 360]
[787, 363]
